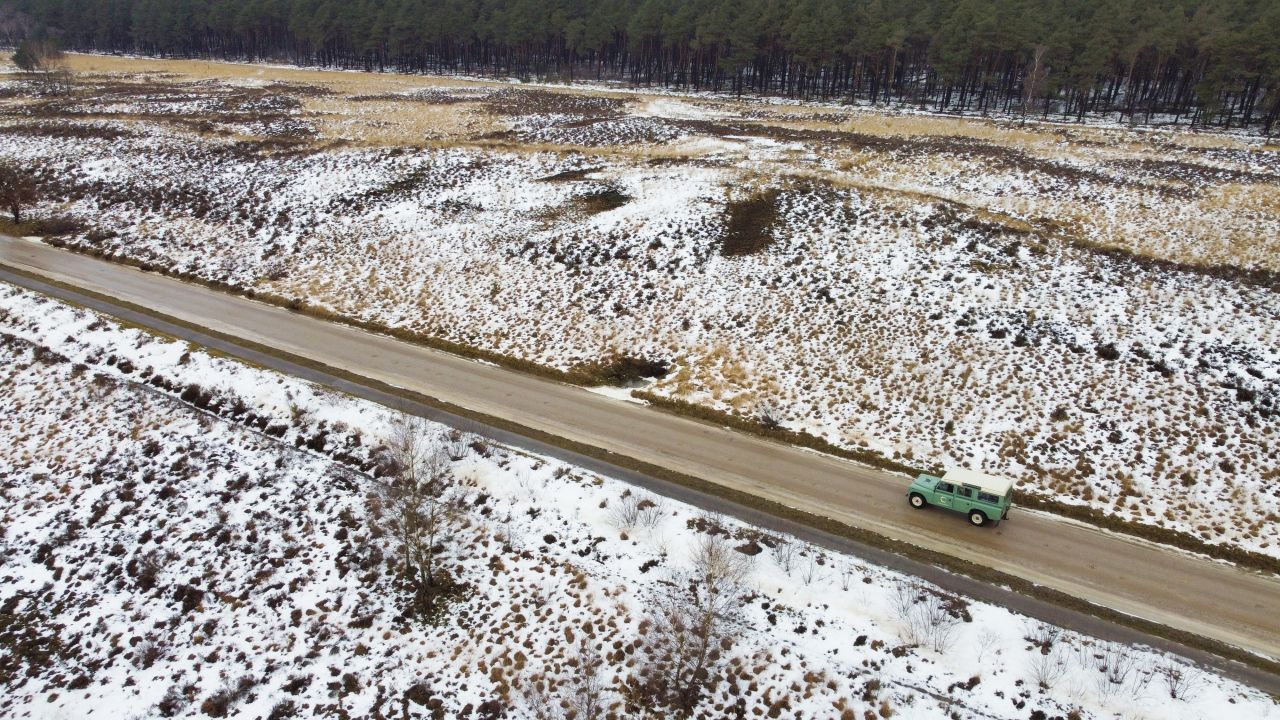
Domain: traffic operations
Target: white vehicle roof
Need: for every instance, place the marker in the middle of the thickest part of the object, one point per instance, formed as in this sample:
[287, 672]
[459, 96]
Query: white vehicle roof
[993, 484]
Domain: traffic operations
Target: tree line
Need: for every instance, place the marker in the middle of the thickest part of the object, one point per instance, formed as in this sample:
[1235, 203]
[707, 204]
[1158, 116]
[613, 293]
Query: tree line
[1210, 63]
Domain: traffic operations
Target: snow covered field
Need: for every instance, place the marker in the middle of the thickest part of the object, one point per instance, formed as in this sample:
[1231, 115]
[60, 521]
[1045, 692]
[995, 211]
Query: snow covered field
[1090, 311]
[186, 536]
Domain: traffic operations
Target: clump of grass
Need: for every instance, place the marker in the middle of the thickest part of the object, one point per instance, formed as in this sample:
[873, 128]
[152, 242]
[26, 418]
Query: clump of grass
[75, 131]
[619, 370]
[220, 703]
[749, 224]
[57, 226]
[602, 201]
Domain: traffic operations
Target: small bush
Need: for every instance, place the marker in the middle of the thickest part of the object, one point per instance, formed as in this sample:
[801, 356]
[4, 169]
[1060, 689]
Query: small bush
[283, 709]
[56, 226]
[602, 201]
[219, 703]
[619, 371]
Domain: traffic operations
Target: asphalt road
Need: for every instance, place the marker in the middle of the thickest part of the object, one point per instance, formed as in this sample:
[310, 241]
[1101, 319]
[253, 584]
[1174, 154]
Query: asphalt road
[1163, 585]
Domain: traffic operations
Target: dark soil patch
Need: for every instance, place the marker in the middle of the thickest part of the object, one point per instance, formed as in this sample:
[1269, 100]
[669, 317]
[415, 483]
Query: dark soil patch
[570, 175]
[57, 226]
[75, 131]
[518, 103]
[602, 201]
[749, 224]
[1193, 174]
[619, 370]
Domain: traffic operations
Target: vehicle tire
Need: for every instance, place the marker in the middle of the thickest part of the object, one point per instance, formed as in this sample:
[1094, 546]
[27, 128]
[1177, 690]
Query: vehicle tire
[917, 501]
[977, 518]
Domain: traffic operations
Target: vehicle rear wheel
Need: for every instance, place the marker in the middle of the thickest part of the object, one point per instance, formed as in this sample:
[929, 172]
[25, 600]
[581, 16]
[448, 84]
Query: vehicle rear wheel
[917, 501]
[977, 518]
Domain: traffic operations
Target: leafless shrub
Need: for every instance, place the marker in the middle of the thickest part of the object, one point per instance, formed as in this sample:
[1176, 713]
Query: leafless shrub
[903, 599]
[925, 616]
[423, 501]
[939, 624]
[1182, 681]
[652, 511]
[17, 189]
[588, 689]
[809, 572]
[634, 509]
[768, 415]
[44, 61]
[459, 444]
[175, 700]
[785, 555]
[1043, 636]
[988, 643]
[626, 512]
[539, 703]
[1045, 669]
[147, 653]
[690, 631]
[1118, 670]
[219, 704]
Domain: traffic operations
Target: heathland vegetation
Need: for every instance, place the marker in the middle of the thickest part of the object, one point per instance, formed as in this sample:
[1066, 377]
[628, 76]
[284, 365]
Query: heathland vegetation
[1203, 62]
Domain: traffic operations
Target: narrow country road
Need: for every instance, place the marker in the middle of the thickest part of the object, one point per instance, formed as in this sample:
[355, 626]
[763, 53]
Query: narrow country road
[1166, 586]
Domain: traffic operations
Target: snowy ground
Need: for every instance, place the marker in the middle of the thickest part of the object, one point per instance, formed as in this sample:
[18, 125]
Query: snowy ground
[186, 536]
[1090, 311]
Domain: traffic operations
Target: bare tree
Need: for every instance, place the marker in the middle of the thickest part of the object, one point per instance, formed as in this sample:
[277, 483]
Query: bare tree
[17, 189]
[587, 699]
[691, 628]
[422, 496]
[43, 60]
[1035, 79]
[14, 24]
[939, 622]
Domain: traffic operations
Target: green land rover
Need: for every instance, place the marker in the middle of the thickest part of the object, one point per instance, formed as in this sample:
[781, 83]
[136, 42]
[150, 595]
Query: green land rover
[984, 498]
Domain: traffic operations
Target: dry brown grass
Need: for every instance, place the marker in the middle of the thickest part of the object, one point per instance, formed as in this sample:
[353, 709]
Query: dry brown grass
[1226, 231]
[916, 125]
[394, 123]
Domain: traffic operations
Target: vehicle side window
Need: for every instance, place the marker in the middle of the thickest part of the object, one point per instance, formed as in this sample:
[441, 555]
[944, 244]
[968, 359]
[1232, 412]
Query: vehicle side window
[989, 498]
[945, 487]
[964, 492]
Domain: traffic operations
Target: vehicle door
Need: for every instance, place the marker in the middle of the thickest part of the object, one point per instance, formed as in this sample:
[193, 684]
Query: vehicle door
[943, 494]
[964, 499]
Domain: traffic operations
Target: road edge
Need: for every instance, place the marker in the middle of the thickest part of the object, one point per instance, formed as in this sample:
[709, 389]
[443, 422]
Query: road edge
[956, 575]
[584, 378]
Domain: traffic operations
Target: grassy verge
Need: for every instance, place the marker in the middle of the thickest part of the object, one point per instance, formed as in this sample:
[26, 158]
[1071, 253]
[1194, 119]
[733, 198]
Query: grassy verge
[610, 371]
[619, 370]
[1093, 516]
[741, 499]
[783, 435]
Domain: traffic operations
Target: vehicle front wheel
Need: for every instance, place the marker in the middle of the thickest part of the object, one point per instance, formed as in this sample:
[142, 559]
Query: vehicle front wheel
[917, 501]
[977, 518]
